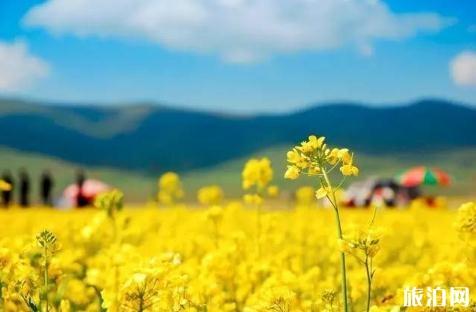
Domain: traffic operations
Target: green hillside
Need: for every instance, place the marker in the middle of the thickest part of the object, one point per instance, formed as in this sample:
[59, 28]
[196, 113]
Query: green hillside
[152, 139]
[138, 187]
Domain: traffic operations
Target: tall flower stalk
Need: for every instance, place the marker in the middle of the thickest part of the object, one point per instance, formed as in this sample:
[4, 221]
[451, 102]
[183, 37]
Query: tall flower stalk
[363, 244]
[256, 176]
[212, 197]
[112, 203]
[47, 242]
[314, 158]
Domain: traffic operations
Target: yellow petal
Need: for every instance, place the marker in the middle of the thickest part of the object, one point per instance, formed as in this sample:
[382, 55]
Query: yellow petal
[292, 173]
[321, 193]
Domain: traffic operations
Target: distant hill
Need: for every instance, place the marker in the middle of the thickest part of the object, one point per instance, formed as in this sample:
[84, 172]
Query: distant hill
[152, 139]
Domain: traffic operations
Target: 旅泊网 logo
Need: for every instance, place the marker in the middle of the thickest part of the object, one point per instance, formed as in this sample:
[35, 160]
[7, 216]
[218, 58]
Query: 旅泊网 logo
[436, 297]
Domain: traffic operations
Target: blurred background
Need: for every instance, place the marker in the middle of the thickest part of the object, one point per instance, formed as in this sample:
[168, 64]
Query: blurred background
[128, 90]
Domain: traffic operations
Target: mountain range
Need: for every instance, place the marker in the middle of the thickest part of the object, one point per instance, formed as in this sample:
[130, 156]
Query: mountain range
[154, 138]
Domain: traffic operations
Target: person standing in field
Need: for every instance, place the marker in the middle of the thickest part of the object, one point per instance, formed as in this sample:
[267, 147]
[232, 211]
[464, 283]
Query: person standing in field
[24, 188]
[81, 200]
[7, 192]
[46, 188]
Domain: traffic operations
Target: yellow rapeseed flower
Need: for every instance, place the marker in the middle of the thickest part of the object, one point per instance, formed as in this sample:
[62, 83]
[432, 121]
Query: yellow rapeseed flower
[292, 173]
[257, 172]
[170, 188]
[210, 195]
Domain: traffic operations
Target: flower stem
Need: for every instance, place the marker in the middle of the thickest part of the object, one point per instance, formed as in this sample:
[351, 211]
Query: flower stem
[334, 203]
[46, 277]
[141, 304]
[369, 282]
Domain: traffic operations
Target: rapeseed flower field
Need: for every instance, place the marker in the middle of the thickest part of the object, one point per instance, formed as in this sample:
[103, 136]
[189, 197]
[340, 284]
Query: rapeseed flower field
[182, 259]
[254, 254]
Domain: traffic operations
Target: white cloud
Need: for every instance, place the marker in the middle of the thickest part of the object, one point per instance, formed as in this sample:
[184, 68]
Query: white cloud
[18, 68]
[236, 30]
[463, 68]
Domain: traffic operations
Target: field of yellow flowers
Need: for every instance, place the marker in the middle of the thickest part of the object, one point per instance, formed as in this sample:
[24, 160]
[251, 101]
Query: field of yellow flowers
[254, 254]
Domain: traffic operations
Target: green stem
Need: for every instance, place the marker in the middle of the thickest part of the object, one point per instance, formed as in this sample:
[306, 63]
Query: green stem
[46, 277]
[141, 304]
[369, 282]
[333, 201]
[99, 296]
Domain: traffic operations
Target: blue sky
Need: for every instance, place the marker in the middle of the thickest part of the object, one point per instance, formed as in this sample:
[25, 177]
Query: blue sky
[238, 55]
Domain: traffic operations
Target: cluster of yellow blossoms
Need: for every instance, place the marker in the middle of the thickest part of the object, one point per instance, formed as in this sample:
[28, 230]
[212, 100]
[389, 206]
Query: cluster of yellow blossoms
[256, 177]
[467, 221]
[258, 173]
[466, 227]
[169, 188]
[210, 195]
[314, 154]
[314, 158]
